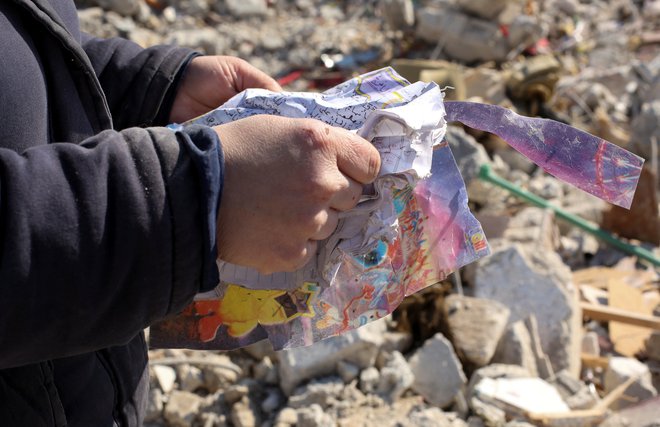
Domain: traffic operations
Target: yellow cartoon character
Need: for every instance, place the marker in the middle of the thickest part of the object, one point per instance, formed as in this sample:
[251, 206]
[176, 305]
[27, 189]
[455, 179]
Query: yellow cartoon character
[242, 309]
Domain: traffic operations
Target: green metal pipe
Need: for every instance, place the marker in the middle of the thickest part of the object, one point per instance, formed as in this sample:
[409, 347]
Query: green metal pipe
[487, 174]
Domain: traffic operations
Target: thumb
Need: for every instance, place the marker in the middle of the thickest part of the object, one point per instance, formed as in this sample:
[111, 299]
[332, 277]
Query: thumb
[251, 77]
[356, 157]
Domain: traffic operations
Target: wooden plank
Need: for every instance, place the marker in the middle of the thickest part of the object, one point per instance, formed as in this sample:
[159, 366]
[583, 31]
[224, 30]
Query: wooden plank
[598, 277]
[601, 312]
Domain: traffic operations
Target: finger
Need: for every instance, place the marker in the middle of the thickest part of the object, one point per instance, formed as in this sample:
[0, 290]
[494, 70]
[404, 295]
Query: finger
[306, 254]
[252, 77]
[356, 157]
[348, 197]
[328, 227]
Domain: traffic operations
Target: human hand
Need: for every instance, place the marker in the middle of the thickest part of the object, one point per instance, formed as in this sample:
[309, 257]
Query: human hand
[285, 181]
[209, 81]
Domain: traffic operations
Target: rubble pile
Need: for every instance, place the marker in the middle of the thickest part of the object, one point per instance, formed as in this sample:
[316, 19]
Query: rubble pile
[556, 327]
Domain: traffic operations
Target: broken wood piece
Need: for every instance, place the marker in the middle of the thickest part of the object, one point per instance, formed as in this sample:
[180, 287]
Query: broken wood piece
[601, 312]
[589, 361]
[583, 417]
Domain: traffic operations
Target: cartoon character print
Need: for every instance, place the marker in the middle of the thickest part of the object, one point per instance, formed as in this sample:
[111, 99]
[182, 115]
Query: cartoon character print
[242, 309]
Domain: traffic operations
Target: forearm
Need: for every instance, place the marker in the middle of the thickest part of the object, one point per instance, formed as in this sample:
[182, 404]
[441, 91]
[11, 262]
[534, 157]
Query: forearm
[97, 241]
[139, 84]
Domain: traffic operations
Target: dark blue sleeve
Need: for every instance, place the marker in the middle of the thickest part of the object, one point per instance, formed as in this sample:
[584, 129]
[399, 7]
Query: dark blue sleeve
[139, 83]
[208, 158]
[101, 239]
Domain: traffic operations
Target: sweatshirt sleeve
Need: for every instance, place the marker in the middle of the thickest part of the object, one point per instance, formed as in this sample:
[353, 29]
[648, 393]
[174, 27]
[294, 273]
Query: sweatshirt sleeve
[99, 240]
[139, 83]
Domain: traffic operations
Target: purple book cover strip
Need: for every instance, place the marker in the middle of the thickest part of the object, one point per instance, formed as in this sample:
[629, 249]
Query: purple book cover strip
[574, 156]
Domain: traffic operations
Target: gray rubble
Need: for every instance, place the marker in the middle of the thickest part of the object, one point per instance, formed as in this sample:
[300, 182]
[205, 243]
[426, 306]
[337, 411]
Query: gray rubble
[438, 372]
[359, 347]
[619, 370]
[540, 285]
[475, 327]
[592, 64]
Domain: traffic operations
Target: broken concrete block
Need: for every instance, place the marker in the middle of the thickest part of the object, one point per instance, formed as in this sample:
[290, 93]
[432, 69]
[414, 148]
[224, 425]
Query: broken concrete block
[521, 396]
[221, 373]
[487, 9]
[515, 348]
[582, 204]
[245, 8]
[182, 408]
[642, 414]
[543, 365]
[190, 377]
[497, 370]
[236, 392]
[524, 31]
[398, 14]
[165, 377]
[266, 371]
[261, 349]
[646, 126]
[396, 377]
[122, 7]
[575, 393]
[491, 414]
[469, 154]
[475, 327]
[534, 226]
[347, 371]
[438, 372]
[463, 37]
[287, 416]
[245, 413]
[321, 392]
[493, 224]
[359, 347]
[434, 417]
[540, 284]
[397, 341]
[486, 84]
[207, 39]
[369, 379]
[314, 416]
[619, 370]
[273, 400]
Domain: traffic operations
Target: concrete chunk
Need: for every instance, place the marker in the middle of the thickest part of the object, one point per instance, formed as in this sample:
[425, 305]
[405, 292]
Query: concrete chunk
[359, 347]
[487, 9]
[182, 408]
[438, 372]
[515, 348]
[475, 326]
[619, 370]
[539, 284]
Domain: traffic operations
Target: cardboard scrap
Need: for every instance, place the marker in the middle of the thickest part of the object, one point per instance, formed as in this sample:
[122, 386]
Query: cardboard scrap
[599, 277]
[628, 339]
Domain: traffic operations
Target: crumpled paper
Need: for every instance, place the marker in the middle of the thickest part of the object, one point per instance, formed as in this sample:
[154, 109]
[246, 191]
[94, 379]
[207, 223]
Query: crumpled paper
[411, 228]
